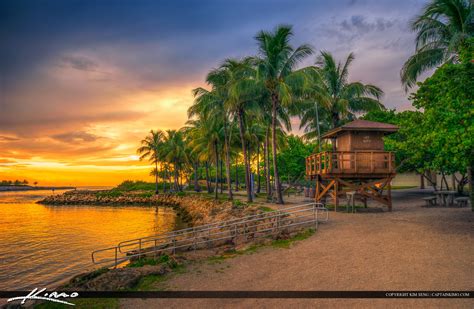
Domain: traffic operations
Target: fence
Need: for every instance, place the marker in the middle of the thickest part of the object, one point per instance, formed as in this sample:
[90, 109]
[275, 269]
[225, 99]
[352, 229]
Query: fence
[214, 234]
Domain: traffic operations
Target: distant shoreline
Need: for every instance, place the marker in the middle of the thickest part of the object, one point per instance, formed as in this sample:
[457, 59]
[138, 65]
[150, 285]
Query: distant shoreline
[30, 188]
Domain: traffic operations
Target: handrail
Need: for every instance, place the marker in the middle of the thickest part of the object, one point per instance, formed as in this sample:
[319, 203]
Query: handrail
[257, 225]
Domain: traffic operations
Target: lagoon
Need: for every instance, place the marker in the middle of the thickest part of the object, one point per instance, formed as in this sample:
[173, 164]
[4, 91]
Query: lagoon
[44, 246]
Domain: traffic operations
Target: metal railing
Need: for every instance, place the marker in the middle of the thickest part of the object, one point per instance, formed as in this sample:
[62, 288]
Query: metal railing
[214, 234]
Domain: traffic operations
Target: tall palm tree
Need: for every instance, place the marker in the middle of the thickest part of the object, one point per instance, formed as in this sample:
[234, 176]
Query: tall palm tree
[277, 70]
[150, 149]
[340, 98]
[442, 30]
[243, 92]
[212, 104]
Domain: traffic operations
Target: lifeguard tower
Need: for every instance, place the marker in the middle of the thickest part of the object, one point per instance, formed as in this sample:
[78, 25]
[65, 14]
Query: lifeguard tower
[358, 163]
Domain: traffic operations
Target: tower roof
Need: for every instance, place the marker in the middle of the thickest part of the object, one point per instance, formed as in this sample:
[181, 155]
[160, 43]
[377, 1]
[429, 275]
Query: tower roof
[362, 125]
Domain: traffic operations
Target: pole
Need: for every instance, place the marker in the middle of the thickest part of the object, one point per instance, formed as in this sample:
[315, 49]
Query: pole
[317, 126]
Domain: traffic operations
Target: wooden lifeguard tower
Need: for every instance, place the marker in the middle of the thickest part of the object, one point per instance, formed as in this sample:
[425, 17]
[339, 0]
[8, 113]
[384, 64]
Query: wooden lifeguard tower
[358, 163]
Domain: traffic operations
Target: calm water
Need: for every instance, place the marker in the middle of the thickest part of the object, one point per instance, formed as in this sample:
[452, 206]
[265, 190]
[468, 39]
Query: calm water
[42, 246]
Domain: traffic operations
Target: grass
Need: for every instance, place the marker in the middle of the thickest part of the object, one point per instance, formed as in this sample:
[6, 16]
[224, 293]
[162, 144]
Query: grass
[150, 282]
[286, 243]
[266, 209]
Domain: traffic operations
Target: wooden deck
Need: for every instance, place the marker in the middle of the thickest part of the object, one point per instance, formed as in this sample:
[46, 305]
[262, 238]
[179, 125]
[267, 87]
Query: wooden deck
[351, 164]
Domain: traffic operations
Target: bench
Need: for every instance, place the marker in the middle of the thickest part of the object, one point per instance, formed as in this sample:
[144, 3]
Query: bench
[461, 201]
[430, 201]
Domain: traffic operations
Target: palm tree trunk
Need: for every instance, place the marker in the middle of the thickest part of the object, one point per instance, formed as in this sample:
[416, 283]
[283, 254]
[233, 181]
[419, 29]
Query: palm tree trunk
[208, 185]
[197, 188]
[317, 126]
[227, 162]
[217, 168]
[258, 168]
[274, 150]
[176, 184]
[156, 177]
[266, 161]
[236, 175]
[221, 176]
[164, 178]
[244, 151]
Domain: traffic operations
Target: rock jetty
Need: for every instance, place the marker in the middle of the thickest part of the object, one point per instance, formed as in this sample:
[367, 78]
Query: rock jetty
[194, 208]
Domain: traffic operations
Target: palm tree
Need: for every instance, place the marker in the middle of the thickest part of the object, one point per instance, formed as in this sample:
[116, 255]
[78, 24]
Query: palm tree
[277, 70]
[174, 151]
[213, 104]
[150, 149]
[442, 31]
[341, 99]
[243, 90]
[205, 141]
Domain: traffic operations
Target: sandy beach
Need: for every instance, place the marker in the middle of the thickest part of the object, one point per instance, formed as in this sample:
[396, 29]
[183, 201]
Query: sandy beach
[411, 248]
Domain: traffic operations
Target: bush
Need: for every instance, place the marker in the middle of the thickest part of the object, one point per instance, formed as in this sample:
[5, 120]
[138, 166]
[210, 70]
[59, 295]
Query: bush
[129, 185]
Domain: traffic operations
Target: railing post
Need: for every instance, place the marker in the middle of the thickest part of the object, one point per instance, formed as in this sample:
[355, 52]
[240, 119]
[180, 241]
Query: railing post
[194, 239]
[140, 248]
[115, 265]
[315, 213]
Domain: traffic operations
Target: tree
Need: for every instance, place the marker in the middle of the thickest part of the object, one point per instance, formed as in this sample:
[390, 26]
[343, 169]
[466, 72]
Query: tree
[339, 98]
[150, 149]
[243, 89]
[214, 104]
[448, 125]
[276, 68]
[205, 136]
[443, 29]
[291, 159]
[173, 151]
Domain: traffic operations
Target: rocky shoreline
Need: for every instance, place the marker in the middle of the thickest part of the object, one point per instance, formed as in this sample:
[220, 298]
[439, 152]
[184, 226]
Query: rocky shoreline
[196, 209]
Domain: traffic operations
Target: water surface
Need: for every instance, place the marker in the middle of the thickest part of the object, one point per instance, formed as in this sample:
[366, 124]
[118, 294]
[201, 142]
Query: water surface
[42, 246]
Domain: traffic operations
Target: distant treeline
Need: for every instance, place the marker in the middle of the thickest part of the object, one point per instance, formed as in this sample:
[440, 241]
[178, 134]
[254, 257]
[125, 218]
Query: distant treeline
[16, 182]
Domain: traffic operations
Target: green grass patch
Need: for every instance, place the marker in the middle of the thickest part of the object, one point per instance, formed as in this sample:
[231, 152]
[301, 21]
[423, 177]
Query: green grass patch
[266, 209]
[286, 243]
[108, 193]
[148, 283]
[163, 259]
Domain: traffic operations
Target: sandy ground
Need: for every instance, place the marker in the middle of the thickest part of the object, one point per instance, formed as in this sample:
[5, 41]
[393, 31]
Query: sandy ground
[411, 248]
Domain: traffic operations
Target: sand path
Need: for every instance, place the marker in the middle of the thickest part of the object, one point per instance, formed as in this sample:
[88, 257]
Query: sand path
[412, 248]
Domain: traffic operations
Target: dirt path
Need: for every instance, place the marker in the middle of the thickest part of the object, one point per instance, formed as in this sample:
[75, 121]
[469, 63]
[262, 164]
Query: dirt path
[412, 248]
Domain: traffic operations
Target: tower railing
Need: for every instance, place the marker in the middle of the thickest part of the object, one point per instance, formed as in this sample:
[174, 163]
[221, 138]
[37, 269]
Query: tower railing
[350, 162]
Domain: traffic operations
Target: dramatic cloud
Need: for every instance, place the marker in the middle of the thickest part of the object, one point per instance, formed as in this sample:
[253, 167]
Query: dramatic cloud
[81, 82]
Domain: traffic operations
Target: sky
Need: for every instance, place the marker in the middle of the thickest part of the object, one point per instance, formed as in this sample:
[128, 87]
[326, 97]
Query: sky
[82, 82]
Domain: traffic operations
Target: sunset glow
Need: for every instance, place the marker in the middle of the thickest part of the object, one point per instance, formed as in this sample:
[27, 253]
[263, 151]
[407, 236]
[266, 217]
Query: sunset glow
[79, 93]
